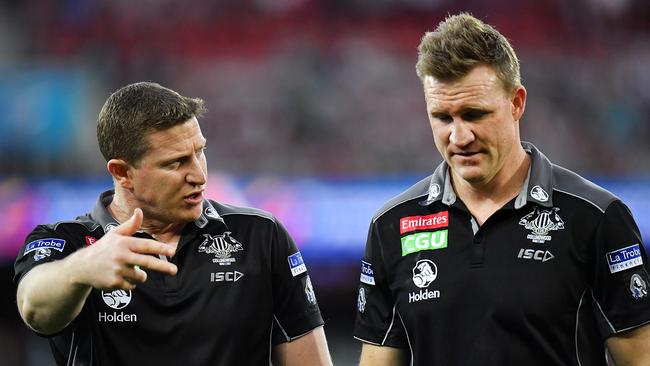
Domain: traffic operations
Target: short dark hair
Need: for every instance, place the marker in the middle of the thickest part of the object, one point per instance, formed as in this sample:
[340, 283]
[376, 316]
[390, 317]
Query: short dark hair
[462, 42]
[135, 110]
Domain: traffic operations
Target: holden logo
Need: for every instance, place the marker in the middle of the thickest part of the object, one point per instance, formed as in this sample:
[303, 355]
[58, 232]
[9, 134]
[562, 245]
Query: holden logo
[424, 272]
[117, 299]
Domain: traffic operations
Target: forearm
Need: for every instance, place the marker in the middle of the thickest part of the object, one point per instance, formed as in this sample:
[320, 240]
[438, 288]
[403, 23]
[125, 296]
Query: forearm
[631, 348]
[48, 298]
[372, 355]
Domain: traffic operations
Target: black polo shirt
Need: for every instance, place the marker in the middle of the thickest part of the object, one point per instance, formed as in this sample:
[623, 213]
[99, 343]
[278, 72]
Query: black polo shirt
[241, 288]
[544, 281]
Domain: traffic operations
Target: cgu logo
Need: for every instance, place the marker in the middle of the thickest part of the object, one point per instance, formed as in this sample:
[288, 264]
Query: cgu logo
[428, 240]
[538, 255]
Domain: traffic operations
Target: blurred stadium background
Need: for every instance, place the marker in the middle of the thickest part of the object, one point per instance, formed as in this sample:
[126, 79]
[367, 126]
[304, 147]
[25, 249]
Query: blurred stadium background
[315, 112]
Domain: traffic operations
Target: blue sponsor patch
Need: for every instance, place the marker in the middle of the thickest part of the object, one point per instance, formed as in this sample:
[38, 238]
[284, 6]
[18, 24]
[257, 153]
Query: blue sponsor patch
[367, 274]
[49, 243]
[296, 264]
[622, 259]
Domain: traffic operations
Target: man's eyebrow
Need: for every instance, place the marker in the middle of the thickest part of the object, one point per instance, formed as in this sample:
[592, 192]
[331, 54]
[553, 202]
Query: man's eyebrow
[474, 109]
[173, 158]
[439, 114]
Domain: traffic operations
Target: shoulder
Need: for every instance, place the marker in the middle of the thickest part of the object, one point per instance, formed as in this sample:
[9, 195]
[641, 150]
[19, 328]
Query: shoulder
[62, 235]
[570, 183]
[227, 210]
[413, 194]
[81, 224]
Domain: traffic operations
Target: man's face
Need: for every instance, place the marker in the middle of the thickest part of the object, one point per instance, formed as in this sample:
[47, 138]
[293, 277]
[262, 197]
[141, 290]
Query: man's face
[169, 180]
[474, 123]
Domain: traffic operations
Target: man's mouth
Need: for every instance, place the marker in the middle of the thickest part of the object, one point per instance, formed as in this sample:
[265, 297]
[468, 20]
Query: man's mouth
[466, 153]
[194, 198]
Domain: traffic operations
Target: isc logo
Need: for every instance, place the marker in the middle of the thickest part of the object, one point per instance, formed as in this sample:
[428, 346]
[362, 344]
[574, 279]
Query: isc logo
[537, 255]
[230, 276]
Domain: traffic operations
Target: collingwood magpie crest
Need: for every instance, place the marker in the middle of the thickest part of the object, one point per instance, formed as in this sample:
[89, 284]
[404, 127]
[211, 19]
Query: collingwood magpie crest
[222, 246]
[540, 222]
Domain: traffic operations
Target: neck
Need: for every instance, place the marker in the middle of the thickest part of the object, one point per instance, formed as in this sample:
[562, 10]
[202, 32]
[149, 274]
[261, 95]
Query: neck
[121, 208]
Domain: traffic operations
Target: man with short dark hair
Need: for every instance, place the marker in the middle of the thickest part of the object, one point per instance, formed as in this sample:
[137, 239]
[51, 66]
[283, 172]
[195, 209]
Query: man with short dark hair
[157, 274]
[499, 257]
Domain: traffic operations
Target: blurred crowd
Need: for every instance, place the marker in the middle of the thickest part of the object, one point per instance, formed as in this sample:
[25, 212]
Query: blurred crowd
[315, 87]
[306, 87]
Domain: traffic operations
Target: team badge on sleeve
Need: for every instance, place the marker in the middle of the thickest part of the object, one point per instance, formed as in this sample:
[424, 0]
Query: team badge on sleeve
[296, 264]
[367, 274]
[638, 287]
[44, 247]
[309, 291]
[361, 300]
[42, 253]
[622, 259]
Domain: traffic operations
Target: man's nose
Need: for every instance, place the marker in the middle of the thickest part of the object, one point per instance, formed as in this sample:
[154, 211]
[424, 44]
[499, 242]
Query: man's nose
[197, 175]
[461, 134]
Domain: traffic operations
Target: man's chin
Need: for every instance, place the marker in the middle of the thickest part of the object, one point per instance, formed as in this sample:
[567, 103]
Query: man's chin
[472, 175]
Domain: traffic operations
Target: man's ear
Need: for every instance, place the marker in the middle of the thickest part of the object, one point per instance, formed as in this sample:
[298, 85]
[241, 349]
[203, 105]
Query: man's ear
[518, 102]
[119, 169]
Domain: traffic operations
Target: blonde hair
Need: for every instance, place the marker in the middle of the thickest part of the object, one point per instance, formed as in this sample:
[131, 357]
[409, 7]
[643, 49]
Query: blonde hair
[460, 43]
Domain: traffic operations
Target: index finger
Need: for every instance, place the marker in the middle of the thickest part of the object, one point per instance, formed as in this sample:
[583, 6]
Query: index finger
[149, 246]
[152, 263]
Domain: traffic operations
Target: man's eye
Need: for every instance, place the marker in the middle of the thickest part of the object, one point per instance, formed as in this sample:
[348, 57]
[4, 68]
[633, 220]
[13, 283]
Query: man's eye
[175, 164]
[473, 115]
[442, 117]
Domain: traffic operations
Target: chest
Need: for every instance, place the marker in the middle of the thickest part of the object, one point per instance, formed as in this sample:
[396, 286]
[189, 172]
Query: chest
[528, 262]
[222, 277]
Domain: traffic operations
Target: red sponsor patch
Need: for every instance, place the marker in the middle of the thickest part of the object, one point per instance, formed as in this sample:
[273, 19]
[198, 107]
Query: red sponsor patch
[90, 240]
[413, 223]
